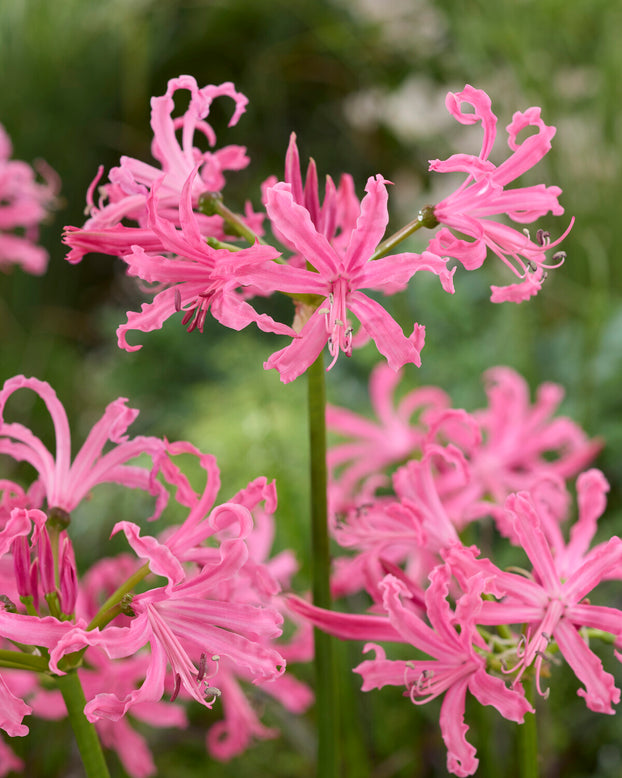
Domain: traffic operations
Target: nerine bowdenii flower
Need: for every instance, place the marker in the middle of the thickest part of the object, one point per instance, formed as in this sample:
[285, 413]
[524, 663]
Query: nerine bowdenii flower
[469, 227]
[24, 203]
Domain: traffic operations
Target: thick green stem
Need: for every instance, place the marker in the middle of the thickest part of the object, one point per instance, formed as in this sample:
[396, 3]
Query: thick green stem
[528, 739]
[86, 737]
[325, 672]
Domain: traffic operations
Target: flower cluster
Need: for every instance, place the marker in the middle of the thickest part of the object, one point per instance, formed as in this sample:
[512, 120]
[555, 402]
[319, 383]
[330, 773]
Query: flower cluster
[202, 258]
[24, 204]
[195, 611]
[405, 489]
[212, 617]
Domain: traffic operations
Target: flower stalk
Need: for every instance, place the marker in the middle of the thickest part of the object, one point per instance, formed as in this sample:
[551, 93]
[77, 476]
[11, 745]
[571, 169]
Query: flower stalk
[528, 740]
[85, 734]
[425, 218]
[325, 672]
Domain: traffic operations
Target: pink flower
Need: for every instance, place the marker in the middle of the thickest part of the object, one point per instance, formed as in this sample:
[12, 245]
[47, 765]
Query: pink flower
[510, 445]
[197, 279]
[197, 617]
[9, 761]
[258, 582]
[455, 667]
[63, 483]
[375, 445]
[552, 602]
[484, 194]
[336, 216]
[457, 651]
[412, 529]
[24, 204]
[181, 623]
[125, 196]
[336, 279]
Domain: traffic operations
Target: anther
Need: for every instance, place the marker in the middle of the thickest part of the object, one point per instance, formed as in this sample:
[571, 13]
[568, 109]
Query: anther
[177, 687]
[543, 237]
[202, 667]
[215, 693]
[521, 646]
[187, 316]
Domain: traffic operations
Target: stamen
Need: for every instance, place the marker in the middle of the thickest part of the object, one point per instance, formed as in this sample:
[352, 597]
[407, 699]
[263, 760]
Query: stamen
[188, 315]
[215, 692]
[177, 300]
[544, 694]
[543, 237]
[177, 687]
[348, 342]
[202, 667]
[521, 646]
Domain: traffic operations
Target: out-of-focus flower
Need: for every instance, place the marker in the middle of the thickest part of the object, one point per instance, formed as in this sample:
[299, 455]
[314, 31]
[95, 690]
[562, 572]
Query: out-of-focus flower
[24, 204]
[395, 435]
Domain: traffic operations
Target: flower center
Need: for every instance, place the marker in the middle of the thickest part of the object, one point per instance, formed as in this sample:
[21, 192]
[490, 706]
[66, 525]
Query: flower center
[339, 331]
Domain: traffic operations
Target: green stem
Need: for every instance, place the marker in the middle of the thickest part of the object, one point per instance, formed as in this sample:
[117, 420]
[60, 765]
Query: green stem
[108, 611]
[86, 737]
[325, 671]
[425, 218]
[211, 203]
[101, 618]
[528, 739]
[23, 661]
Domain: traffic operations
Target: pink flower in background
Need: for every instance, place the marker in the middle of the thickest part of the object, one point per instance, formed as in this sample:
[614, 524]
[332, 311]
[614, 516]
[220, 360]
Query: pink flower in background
[63, 483]
[522, 440]
[395, 435]
[24, 204]
[9, 761]
[125, 196]
[337, 278]
[510, 445]
[483, 194]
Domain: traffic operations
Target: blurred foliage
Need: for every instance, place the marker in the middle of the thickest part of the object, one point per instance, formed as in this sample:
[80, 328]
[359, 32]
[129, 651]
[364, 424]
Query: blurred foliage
[362, 83]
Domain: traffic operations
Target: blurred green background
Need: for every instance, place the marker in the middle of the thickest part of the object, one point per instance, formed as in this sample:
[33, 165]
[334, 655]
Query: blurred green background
[362, 83]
